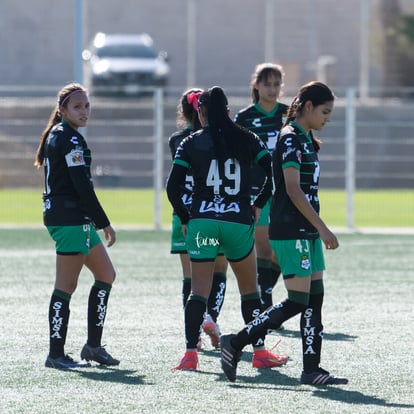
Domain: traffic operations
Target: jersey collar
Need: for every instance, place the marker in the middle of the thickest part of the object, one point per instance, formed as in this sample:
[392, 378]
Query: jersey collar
[271, 113]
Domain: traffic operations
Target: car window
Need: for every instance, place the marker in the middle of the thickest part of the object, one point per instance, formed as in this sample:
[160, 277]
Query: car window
[126, 51]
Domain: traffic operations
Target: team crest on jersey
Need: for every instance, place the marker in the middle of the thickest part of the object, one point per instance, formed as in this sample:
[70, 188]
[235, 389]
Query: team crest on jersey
[75, 158]
[305, 263]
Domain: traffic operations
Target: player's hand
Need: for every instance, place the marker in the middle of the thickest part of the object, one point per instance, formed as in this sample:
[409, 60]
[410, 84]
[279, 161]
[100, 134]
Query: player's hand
[110, 235]
[184, 230]
[329, 239]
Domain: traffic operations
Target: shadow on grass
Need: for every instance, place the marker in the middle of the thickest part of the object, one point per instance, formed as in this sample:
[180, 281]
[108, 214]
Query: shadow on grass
[282, 382]
[354, 397]
[326, 335]
[106, 374]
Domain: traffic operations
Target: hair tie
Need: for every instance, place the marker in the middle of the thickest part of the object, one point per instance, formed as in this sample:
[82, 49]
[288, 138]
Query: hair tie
[192, 99]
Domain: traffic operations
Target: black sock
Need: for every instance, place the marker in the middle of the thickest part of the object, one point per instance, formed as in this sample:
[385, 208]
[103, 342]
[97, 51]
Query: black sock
[97, 307]
[275, 270]
[251, 307]
[194, 315]
[264, 280]
[311, 329]
[270, 319]
[58, 322]
[186, 290]
[216, 298]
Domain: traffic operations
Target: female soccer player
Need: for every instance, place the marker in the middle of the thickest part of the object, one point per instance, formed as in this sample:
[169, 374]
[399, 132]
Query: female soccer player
[71, 214]
[220, 216]
[265, 117]
[188, 122]
[296, 234]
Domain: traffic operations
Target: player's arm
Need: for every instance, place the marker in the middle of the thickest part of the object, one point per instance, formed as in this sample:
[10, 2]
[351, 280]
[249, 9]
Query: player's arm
[87, 195]
[291, 176]
[265, 162]
[83, 185]
[175, 181]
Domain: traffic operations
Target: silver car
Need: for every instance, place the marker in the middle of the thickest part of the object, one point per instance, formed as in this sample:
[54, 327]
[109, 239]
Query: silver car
[125, 64]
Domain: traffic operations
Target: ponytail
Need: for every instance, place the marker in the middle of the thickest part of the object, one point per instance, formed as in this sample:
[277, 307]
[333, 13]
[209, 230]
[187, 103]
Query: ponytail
[226, 134]
[187, 110]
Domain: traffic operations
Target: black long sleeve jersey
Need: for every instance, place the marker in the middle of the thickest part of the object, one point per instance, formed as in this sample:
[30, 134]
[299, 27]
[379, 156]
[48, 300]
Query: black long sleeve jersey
[222, 186]
[294, 149]
[173, 142]
[69, 197]
[267, 126]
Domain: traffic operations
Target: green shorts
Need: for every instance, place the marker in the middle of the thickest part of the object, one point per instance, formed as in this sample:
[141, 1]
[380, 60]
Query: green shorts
[206, 238]
[177, 238]
[71, 240]
[264, 217]
[178, 243]
[299, 257]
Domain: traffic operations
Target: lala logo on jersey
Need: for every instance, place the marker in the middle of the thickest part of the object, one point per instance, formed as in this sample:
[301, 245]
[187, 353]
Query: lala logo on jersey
[208, 206]
[75, 158]
[217, 206]
[305, 263]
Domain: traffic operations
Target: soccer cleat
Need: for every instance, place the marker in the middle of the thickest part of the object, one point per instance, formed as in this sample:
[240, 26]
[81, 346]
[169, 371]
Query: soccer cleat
[99, 355]
[64, 362]
[189, 362]
[212, 329]
[265, 359]
[229, 357]
[321, 377]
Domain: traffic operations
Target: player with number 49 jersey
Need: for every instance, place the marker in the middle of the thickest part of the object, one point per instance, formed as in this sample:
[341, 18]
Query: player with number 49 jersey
[221, 183]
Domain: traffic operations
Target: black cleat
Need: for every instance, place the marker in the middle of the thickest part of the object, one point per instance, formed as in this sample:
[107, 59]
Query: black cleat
[64, 362]
[99, 355]
[321, 377]
[229, 357]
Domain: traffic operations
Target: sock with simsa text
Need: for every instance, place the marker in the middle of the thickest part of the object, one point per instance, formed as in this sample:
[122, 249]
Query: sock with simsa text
[97, 307]
[216, 298]
[58, 322]
[271, 318]
[311, 328]
[251, 307]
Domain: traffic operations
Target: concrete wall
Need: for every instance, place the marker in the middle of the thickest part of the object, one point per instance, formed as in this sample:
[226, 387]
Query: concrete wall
[38, 38]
